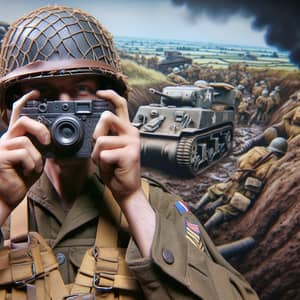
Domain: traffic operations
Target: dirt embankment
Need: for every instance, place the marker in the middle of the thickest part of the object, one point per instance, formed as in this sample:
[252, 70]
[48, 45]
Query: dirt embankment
[273, 265]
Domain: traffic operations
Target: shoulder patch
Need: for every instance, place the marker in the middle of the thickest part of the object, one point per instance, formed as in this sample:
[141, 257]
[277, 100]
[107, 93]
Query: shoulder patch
[193, 234]
[181, 207]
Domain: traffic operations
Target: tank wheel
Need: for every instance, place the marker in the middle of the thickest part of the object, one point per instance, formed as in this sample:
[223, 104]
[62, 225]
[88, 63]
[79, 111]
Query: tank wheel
[195, 157]
[210, 154]
[228, 140]
[188, 155]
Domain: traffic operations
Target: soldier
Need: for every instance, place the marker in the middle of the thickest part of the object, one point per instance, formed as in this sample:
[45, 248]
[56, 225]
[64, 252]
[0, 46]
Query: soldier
[234, 197]
[85, 210]
[175, 77]
[270, 107]
[260, 105]
[243, 113]
[277, 97]
[256, 90]
[288, 127]
[238, 94]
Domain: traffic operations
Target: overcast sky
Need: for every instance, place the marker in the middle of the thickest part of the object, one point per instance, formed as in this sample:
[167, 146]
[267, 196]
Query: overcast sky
[150, 19]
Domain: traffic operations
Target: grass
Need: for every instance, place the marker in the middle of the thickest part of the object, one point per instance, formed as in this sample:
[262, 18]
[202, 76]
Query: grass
[139, 75]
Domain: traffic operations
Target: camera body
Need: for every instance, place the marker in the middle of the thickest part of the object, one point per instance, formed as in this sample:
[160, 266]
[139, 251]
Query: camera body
[71, 125]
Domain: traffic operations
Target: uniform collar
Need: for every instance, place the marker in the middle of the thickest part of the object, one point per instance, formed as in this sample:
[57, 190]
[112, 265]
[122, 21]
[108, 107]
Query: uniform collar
[85, 208]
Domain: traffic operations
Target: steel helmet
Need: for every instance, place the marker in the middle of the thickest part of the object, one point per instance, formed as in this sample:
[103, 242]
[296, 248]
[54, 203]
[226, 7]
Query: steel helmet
[201, 83]
[176, 70]
[278, 145]
[57, 41]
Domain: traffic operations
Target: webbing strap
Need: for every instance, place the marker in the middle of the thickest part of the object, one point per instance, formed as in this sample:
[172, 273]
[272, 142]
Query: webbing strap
[19, 220]
[107, 236]
[2, 294]
[18, 295]
[102, 271]
[103, 267]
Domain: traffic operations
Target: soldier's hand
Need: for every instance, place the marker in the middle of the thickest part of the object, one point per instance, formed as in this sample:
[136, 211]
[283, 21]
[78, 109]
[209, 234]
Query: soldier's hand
[20, 162]
[117, 155]
[118, 158]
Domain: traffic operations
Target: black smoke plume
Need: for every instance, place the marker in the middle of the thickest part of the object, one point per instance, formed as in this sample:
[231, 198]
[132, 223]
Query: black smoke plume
[280, 19]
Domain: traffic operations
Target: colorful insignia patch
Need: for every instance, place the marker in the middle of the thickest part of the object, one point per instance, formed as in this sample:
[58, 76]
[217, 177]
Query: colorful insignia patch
[193, 234]
[182, 207]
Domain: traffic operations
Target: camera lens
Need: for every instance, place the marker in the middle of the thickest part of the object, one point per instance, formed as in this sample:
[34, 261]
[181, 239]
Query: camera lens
[67, 134]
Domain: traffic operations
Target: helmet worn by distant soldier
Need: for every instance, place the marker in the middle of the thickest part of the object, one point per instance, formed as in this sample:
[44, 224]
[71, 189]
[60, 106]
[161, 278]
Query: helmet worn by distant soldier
[265, 92]
[201, 83]
[278, 145]
[57, 41]
[176, 70]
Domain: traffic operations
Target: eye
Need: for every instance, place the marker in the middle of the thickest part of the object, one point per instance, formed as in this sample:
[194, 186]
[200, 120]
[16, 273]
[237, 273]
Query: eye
[85, 88]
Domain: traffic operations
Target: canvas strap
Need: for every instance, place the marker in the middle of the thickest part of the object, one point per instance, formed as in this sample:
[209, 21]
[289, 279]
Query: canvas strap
[103, 268]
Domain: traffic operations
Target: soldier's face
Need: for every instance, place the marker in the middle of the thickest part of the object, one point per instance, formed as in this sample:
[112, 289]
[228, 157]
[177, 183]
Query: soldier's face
[71, 88]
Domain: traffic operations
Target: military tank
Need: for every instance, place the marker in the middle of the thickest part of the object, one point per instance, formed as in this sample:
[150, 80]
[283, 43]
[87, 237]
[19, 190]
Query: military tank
[189, 129]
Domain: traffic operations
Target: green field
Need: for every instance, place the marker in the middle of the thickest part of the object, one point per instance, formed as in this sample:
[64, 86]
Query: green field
[216, 55]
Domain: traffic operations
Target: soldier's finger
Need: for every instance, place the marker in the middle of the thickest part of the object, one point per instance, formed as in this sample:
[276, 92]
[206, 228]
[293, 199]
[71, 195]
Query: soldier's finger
[110, 122]
[18, 105]
[22, 158]
[110, 142]
[23, 142]
[25, 125]
[119, 103]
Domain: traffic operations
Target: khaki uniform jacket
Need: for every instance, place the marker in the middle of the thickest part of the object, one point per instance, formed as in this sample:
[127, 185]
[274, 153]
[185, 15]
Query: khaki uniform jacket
[289, 127]
[184, 263]
[247, 164]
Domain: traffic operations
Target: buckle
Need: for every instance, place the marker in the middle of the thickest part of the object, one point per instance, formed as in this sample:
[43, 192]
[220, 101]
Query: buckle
[79, 297]
[23, 282]
[98, 287]
[95, 252]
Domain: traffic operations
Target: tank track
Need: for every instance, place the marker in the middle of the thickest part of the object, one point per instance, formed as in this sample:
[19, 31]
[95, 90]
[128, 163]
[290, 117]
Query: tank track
[196, 152]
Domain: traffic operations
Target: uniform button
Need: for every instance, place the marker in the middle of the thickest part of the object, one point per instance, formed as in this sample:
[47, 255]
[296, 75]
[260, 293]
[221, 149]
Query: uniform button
[60, 257]
[168, 256]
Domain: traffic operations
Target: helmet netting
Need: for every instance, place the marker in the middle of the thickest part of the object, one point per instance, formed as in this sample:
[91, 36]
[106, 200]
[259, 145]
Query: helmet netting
[56, 33]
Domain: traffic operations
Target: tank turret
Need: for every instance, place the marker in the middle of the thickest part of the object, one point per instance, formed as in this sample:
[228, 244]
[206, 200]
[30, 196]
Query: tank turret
[189, 129]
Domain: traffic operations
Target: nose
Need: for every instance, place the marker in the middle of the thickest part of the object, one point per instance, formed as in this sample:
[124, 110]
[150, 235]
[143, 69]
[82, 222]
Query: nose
[64, 97]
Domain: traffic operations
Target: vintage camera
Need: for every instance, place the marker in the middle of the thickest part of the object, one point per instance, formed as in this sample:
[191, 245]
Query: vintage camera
[71, 125]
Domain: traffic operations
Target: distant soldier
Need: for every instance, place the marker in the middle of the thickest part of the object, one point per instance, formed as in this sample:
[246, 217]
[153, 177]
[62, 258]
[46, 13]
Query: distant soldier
[277, 96]
[260, 106]
[243, 113]
[238, 94]
[270, 107]
[175, 77]
[234, 197]
[256, 90]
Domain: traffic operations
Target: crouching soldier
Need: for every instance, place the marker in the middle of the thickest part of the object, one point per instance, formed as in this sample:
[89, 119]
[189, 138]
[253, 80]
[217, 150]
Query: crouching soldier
[234, 197]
